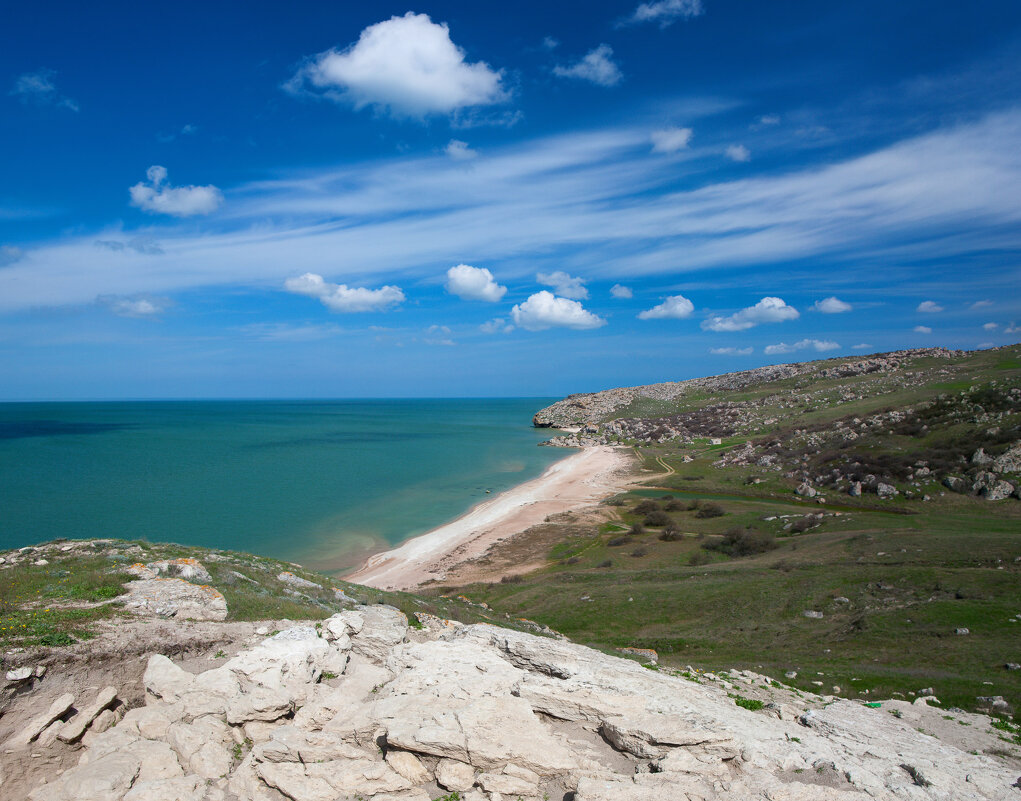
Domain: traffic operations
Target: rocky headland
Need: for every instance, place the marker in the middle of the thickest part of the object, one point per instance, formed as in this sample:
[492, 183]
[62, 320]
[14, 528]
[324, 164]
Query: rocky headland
[174, 704]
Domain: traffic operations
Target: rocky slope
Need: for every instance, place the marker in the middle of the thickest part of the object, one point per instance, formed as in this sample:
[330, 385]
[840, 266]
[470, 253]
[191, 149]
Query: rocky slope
[596, 407]
[364, 707]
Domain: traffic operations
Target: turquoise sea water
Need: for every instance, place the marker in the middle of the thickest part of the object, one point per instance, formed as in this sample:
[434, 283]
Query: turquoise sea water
[316, 482]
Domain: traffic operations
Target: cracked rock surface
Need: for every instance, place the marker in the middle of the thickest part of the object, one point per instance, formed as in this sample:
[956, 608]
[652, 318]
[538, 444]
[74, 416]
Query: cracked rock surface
[363, 707]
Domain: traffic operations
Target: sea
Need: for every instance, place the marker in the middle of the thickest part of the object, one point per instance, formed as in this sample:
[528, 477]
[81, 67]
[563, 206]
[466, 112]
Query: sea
[321, 483]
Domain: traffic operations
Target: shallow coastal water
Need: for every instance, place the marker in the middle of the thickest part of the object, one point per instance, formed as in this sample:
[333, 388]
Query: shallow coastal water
[317, 482]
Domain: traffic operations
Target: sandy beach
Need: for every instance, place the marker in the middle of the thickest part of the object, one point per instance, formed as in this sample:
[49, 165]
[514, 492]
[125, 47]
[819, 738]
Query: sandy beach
[579, 480]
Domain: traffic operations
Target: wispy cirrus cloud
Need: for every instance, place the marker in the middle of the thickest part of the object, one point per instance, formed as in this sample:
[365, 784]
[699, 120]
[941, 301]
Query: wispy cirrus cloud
[597, 66]
[603, 201]
[39, 88]
[666, 12]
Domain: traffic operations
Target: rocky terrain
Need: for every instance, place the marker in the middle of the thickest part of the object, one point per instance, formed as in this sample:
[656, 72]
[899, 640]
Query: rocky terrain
[361, 706]
[595, 407]
[967, 442]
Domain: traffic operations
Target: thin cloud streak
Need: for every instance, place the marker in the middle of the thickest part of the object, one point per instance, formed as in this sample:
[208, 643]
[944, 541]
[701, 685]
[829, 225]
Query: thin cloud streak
[598, 196]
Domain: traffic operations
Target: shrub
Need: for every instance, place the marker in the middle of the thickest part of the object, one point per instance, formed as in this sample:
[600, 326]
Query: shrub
[639, 552]
[636, 528]
[749, 703]
[674, 505]
[671, 534]
[515, 579]
[644, 507]
[657, 518]
[616, 542]
[707, 510]
[607, 563]
[699, 558]
[743, 542]
[573, 560]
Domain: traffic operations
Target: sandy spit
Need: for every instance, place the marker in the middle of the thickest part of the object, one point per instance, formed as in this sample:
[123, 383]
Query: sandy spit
[579, 480]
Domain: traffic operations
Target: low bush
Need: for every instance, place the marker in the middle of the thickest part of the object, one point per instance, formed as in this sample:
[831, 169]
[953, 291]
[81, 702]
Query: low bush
[706, 510]
[607, 563]
[644, 507]
[657, 519]
[699, 558]
[671, 534]
[616, 542]
[636, 528]
[743, 542]
[639, 552]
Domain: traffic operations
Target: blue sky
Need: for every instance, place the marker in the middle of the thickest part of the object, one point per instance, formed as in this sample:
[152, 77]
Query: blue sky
[460, 199]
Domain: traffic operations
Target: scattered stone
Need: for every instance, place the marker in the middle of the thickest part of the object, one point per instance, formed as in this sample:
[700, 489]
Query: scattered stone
[39, 723]
[455, 776]
[813, 614]
[961, 631]
[76, 726]
[19, 674]
[288, 577]
[174, 598]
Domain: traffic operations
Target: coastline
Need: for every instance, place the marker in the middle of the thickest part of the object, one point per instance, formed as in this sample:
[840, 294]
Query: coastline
[578, 480]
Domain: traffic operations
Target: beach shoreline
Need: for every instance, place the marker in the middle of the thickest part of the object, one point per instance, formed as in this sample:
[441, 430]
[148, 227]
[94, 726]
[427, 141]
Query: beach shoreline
[579, 480]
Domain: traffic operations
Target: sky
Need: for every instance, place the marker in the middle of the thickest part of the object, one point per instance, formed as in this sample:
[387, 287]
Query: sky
[451, 199]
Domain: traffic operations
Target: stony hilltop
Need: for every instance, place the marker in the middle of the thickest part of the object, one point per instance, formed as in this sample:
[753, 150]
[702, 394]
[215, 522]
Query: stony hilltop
[167, 701]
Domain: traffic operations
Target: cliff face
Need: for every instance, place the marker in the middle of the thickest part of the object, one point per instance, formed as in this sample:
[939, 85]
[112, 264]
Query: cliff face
[577, 410]
[365, 707]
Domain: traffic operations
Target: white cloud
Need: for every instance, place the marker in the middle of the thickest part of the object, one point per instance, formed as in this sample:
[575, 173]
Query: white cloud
[1013, 328]
[819, 345]
[604, 204]
[544, 310]
[676, 307]
[139, 244]
[738, 153]
[922, 329]
[10, 254]
[621, 292]
[156, 197]
[991, 326]
[564, 285]
[981, 304]
[597, 66]
[439, 335]
[497, 325]
[731, 351]
[473, 283]
[769, 119]
[929, 307]
[767, 310]
[983, 345]
[550, 43]
[342, 298]
[142, 306]
[284, 332]
[407, 66]
[667, 12]
[832, 305]
[459, 151]
[39, 88]
[861, 346]
[670, 140]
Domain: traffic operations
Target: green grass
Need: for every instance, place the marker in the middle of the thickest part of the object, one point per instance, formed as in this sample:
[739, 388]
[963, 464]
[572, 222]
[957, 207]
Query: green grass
[913, 571]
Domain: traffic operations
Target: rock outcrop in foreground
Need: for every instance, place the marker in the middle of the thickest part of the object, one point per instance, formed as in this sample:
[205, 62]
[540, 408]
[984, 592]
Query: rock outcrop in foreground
[362, 707]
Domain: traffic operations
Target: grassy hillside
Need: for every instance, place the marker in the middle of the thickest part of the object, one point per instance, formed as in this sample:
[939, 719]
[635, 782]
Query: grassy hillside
[716, 560]
[61, 593]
